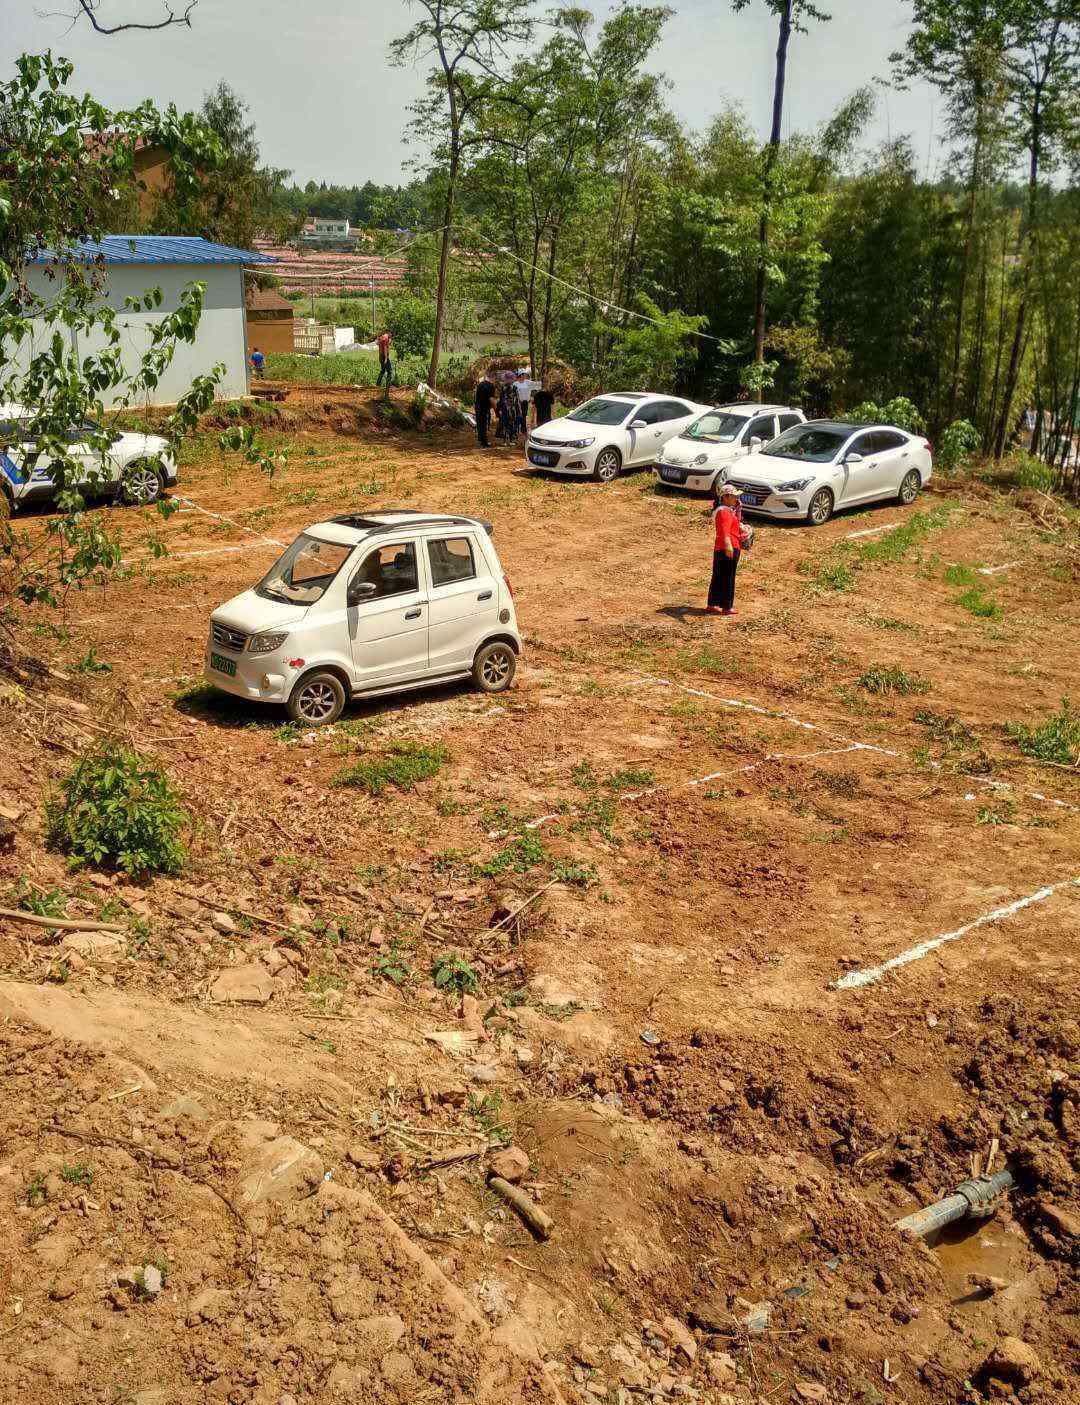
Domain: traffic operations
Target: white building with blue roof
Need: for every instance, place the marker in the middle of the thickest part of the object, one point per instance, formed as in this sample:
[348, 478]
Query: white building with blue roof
[134, 263]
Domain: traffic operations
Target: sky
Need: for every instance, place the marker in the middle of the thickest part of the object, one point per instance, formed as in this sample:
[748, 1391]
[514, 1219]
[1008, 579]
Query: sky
[327, 106]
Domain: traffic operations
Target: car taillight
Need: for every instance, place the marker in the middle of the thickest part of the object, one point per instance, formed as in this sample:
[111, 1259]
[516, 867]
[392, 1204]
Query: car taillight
[506, 582]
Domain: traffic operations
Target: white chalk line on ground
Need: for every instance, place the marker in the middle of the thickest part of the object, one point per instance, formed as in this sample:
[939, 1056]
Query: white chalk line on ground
[871, 974]
[631, 795]
[869, 531]
[220, 517]
[1008, 786]
[202, 551]
[993, 570]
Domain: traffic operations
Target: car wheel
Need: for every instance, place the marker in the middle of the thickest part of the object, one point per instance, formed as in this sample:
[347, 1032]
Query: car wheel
[821, 508]
[909, 488]
[494, 667]
[317, 700]
[141, 483]
[607, 466]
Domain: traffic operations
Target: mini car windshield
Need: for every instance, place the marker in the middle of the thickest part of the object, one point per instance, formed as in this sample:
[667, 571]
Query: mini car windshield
[807, 443]
[716, 426]
[303, 573]
[601, 411]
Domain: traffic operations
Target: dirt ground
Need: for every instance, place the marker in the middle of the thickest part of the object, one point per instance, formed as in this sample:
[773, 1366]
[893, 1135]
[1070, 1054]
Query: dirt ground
[239, 1187]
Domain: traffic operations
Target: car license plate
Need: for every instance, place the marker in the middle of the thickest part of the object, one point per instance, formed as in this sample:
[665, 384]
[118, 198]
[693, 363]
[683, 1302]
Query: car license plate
[223, 665]
[747, 499]
[673, 475]
[544, 460]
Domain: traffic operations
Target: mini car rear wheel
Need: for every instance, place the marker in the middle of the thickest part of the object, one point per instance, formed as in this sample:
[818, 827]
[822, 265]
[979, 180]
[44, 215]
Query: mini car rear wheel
[909, 488]
[141, 483]
[821, 508]
[317, 700]
[494, 667]
[607, 465]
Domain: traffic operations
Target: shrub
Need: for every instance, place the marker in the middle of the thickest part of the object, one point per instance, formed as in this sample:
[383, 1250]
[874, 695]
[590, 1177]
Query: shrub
[118, 808]
[898, 411]
[957, 445]
[453, 972]
[1057, 739]
[976, 603]
[404, 765]
[412, 322]
[1030, 472]
[883, 680]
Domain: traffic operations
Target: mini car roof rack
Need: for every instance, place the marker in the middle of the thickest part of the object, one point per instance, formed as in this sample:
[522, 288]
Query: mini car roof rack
[423, 519]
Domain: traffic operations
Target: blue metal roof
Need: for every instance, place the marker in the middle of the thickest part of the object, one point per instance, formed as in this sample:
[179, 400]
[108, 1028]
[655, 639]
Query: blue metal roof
[155, 248]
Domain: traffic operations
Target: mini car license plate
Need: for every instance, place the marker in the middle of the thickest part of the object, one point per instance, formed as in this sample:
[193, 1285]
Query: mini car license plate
[747, 499]
[673, 475]
[544, 460]
[223, 665]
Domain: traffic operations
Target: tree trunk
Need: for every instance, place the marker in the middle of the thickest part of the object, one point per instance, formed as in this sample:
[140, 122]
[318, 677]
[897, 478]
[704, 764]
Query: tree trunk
[766, 193]
[961, 292]
[444, 259]
[545, 337]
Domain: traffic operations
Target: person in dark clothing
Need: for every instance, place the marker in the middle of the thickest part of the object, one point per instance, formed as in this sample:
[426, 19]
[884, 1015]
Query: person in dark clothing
[257, 362]
[485, 394]
[543, 405]
[725, 553]
[507, 411]
[386, 366]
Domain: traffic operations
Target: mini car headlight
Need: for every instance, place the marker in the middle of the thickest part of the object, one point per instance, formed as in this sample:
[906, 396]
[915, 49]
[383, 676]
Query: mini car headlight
[580, 443]
[266, 643]
[701, 459]
[795, 486]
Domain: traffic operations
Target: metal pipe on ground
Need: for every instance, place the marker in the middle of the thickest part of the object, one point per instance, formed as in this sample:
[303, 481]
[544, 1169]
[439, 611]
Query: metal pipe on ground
[972, 1199]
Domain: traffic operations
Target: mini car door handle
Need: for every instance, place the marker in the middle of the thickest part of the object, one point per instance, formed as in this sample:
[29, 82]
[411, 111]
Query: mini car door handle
[484, 595]
[414, 614]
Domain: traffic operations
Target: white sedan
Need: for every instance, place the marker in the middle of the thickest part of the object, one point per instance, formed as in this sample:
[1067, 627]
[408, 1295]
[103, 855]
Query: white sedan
[814, 469]
[609, 433]
[136, 468]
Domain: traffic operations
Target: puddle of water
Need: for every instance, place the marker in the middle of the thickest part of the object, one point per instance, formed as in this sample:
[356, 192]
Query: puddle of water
[992, 1250]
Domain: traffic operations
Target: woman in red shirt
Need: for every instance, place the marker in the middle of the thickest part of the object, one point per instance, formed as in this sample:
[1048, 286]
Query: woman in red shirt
[725, 553]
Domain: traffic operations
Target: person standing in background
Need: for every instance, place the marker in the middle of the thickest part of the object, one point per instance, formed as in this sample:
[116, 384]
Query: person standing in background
[543, 404]
[524, 388]
[726, 551]
[485, 394]
[257, 362]
[386, 366]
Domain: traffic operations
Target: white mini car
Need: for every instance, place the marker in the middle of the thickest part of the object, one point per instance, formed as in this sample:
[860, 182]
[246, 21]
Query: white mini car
[609, 433]
[137, 468]
[365, 604]
[814, 469]
[700, 458]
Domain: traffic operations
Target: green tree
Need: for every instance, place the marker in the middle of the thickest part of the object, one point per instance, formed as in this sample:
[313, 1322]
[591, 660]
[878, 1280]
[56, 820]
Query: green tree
[468, 45]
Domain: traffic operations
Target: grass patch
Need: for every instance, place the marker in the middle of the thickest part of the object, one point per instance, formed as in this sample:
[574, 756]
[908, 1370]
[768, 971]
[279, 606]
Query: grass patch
[403, 766]
[959, 574]
[392, 966]
[948, 731]
[882, 680]
[524, 851]
[1056, 740]
[893, 546]
[709, 660]
[979, 605]
[78, 1173]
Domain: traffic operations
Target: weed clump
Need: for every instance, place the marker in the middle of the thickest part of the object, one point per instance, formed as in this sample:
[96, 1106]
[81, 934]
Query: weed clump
[452, 972]
[1057, 739]
[882, 680]
[117, 808]
[403, 766]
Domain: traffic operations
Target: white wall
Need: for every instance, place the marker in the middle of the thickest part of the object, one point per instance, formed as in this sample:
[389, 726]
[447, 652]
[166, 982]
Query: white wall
[221, 330]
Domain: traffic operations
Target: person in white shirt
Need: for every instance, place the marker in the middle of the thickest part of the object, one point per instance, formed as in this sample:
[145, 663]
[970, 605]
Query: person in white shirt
[524, 387]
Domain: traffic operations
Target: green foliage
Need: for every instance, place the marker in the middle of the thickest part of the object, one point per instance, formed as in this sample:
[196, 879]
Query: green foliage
[51, 902]
[78, 1174]
[523, 852]
[412, 322]
[979, 605]
[650, 352]
[1027, 471]
[451, 972]
[899, 412]
[957, 445]
[883, 679]
[403, 766]
[90, 663]
[1057, 739]
[116, 807]
[392, 966]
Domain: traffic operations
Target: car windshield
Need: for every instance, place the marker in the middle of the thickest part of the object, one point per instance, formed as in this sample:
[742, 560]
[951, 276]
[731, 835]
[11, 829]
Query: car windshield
[303, 573]
[601, 411]
[808, 443]
[717, 426]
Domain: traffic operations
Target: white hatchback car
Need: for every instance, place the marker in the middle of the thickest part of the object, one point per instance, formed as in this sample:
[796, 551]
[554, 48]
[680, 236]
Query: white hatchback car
[609, 433]
[365, 604]
[699, 459]
[817, 467]
[136, 468]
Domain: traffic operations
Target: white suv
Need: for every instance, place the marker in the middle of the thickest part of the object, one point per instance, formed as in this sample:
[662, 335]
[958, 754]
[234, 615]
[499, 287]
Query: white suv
[136, 468]
[700, 458]
[365, 604]
[610, 433]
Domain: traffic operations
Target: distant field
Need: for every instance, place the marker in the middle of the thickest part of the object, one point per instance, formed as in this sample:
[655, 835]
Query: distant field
[358, 368]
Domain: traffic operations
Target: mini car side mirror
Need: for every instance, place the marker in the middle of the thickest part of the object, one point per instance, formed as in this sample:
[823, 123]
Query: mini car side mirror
[638, 424]
[756, 443]
[359, 591]
[853, 457]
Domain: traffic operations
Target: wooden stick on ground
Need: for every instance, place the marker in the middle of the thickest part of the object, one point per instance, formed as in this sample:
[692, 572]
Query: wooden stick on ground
[452, 1157]
[65, 924]
[537, 1220]
[522, 906]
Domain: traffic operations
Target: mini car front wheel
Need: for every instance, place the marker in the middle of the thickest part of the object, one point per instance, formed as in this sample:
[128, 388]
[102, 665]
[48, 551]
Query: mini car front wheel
[607, 466]
[317, 700]
[141, 483]
[909, 488]
[820, 509]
